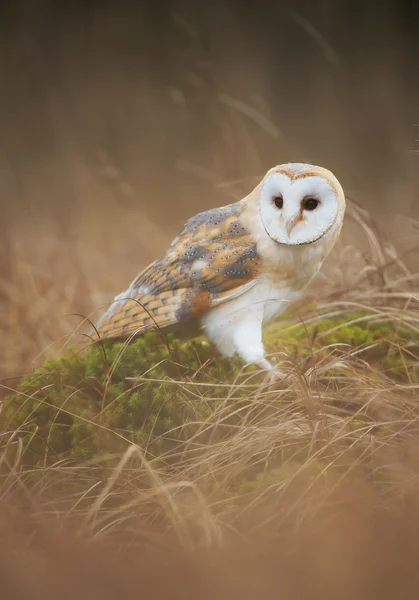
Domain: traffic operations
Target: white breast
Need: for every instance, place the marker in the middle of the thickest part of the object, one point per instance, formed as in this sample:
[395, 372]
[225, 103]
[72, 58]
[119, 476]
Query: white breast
[258, 305]
[273, 298]
[266, 299]
[236, 325]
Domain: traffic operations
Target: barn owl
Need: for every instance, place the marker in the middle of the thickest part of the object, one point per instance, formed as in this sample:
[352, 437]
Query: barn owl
[232, 269]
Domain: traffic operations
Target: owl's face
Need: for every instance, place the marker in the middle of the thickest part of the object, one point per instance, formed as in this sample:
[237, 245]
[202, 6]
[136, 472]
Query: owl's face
[300, 203]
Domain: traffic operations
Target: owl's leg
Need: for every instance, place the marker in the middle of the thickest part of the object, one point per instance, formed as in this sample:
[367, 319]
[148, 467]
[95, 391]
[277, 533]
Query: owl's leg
[241, 334]
[247, 340]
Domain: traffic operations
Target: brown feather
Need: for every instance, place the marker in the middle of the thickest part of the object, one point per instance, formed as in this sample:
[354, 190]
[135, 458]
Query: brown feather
[213, 259]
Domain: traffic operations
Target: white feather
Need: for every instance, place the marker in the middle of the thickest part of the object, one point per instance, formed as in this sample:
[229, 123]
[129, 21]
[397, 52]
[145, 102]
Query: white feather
[236, 326]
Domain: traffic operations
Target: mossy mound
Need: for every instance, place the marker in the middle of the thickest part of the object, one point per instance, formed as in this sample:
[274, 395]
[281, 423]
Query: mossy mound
[87, 405]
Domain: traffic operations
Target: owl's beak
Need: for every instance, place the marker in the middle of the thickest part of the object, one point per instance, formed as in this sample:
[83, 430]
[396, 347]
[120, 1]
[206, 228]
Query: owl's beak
[291, 223]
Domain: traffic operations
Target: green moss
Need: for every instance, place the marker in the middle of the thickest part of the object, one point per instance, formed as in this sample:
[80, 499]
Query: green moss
[390, 346]
[84, 405]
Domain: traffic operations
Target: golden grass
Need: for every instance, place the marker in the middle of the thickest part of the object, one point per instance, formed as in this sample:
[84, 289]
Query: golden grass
[341, 419]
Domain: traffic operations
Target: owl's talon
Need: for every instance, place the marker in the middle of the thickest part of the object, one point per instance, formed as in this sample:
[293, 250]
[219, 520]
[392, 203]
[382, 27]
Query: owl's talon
[274, 373]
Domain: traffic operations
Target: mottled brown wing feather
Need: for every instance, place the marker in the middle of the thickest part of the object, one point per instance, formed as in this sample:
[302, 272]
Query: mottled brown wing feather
[213, 259]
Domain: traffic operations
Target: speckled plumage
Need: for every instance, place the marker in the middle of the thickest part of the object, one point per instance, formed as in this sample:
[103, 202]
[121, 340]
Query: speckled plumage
[235, 267]
[212, 259]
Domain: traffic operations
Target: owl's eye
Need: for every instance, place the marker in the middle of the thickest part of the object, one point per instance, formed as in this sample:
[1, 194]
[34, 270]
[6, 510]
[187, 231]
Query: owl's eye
[279, 201]
[310, 203]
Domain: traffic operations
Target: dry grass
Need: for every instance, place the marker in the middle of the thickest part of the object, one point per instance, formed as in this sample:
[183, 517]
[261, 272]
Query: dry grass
[336, 454]
[341, 422]
[341, 418]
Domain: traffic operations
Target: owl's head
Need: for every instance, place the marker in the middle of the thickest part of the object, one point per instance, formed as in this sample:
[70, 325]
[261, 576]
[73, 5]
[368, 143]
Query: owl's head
[300, 203]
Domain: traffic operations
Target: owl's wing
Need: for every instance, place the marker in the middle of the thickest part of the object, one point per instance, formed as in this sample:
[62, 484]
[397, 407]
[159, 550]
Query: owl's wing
[212, 260]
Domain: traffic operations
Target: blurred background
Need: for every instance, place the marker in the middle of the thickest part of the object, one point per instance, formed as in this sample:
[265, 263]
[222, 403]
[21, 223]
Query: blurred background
[120, 120]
